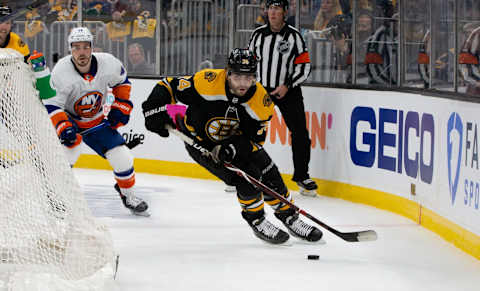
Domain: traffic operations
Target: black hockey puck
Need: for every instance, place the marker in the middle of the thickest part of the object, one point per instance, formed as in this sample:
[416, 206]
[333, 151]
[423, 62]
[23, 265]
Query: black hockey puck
[313, 257]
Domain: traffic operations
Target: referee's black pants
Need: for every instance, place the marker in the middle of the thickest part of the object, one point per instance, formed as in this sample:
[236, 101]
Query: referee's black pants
[293, 111]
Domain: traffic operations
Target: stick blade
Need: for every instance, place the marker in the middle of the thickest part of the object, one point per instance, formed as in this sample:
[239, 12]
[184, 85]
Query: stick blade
[359, 236]
[368, 235]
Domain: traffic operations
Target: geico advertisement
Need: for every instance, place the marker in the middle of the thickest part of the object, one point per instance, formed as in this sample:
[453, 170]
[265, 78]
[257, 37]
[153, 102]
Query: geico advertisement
[393, 140]
[390, 140]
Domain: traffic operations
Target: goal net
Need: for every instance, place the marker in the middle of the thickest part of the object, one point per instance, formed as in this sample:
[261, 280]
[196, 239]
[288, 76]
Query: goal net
[49, 239]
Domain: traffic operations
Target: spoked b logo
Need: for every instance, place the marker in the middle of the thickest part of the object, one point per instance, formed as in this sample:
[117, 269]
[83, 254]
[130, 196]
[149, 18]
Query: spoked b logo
[454, 152]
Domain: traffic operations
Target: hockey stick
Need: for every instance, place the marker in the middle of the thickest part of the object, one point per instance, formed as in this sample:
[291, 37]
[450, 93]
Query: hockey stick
[131, 144]
[22, 11]
[356, 236]
[101, 125]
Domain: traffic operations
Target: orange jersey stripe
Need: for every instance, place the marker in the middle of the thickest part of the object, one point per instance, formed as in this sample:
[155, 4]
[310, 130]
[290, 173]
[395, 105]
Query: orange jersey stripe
[58, 118]
[467, 58]
[303, 58]
[423, 59]
[122, 91]
[128, 183]
[373, 58]
[90, 123]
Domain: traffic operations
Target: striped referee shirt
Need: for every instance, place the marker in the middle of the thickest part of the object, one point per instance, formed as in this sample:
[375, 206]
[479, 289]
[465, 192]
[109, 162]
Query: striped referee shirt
[284, 58]
[382, 56]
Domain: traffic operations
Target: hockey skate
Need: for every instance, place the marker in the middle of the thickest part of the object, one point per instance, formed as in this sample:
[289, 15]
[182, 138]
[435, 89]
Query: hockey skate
[308, 187]
[298, 228]
[133, 203]
[266, 231]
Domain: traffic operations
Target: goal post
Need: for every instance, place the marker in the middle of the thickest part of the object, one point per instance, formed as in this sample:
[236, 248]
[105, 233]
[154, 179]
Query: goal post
[48, 234]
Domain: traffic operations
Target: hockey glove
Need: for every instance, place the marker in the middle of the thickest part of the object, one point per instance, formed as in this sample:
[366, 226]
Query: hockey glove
[224, 153]
[68, 134]
[156, 117]
[119, 114]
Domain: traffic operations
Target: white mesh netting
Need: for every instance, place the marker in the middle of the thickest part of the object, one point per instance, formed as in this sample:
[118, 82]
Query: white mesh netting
[49, 239]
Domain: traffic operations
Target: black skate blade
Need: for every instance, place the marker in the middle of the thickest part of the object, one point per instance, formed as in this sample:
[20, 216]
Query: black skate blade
[287, 243]
[138, 213]
[307, 193]
[300, 241]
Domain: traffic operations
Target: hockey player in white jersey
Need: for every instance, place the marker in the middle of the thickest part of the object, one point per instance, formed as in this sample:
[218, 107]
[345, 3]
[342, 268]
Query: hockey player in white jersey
[82, 81]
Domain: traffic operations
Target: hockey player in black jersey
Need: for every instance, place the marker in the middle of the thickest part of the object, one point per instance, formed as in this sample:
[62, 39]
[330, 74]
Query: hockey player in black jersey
[228, 113]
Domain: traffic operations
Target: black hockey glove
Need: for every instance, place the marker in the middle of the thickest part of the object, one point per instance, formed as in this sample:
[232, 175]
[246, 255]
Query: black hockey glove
[224, 153]
[156, 117]
[68, 134]
[119, 114]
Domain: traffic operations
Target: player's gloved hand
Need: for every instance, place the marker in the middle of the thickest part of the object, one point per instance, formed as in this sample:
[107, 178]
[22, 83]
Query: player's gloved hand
[224, 153]
[156, 117]
[37, 61]
[68, 134]
[119, 114]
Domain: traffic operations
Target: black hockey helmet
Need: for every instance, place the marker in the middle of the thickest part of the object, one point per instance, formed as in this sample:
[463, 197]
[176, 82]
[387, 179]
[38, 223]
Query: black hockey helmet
[283, 3]
[242, 61]
[5, 11]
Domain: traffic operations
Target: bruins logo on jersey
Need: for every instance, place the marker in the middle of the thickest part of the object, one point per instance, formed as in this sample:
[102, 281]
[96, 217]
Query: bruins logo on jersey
[220, 128]
[267, 101]
[21, 43]
[210, 76]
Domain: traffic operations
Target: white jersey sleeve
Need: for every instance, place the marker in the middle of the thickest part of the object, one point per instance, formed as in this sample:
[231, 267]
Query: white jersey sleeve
[82, 96]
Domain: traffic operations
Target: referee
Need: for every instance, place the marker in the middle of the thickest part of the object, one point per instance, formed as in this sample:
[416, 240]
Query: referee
[284, 65]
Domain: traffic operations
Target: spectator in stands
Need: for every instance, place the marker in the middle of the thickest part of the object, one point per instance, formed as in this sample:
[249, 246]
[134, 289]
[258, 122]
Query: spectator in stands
[64, 10]
[262, 16]
[33, 25]
[143, 31]
[137, 62]
[365, 4]
[9, 39]
[98, 9]
[134, 9]
[117, 5]
[117, 29]
[291, 13]
[469, 62]
[364, 31]
[382, 49]
[328, 10]
[340, 34]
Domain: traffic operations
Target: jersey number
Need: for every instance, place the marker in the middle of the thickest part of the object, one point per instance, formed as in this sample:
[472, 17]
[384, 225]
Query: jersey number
[183, 84]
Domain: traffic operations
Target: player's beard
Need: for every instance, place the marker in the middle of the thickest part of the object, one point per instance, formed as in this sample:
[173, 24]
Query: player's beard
[82, 61]
[239, 88]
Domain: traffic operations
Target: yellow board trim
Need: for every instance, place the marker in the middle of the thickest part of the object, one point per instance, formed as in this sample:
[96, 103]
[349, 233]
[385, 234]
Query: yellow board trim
[450, 231]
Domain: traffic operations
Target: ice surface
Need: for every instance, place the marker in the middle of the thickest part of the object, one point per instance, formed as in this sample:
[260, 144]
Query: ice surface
[196, 239]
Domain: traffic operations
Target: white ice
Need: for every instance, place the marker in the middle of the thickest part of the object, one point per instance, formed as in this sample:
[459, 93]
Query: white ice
[196, 239]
